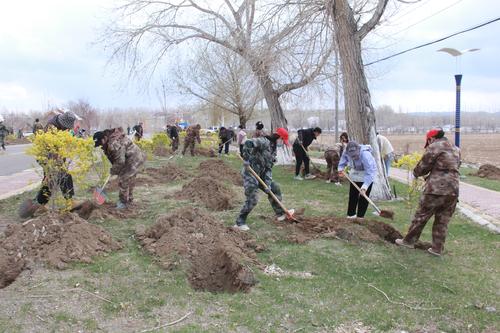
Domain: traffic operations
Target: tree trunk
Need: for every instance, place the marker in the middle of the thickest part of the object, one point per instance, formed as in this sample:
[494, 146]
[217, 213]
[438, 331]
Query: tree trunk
[272, 97]
[359, 112]
[243, 119]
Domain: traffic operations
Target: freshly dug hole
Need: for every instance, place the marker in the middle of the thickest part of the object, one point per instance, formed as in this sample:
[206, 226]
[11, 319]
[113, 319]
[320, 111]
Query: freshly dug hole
[209, 191]
[54, 239]
[220, 170]
[216, 257]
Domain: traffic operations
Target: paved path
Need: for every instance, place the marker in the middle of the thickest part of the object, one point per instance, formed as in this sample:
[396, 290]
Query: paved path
[17, 173]
[479, 204]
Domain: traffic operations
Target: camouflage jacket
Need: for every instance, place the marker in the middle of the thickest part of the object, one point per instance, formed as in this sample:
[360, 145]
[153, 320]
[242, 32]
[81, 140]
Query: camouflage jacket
[440, 166]
[124, 155]
[193, 133]
[262, 156]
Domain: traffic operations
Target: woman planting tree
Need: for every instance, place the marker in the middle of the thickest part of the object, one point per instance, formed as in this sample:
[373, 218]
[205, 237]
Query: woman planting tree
[126, 159]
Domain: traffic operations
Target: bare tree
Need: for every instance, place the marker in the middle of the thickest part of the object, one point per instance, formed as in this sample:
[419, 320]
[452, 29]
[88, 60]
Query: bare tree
[285, 46]
[228, 83]
[352, 22]
[89, 114]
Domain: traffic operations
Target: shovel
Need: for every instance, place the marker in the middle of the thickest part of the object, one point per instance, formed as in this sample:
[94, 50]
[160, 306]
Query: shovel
[99, 195]
[382, 213]
[289, 215]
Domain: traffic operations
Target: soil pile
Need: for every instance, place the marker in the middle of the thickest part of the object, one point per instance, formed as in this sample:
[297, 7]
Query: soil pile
[220, 170]
[207, 152]
[162, 151]
[88, 210]
[168, 172]
[489, 171]
[209, 191]
[53, 239]
[216, 257]
[355, 230]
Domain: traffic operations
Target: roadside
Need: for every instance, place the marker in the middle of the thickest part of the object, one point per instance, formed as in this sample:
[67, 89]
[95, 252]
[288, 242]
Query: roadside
[19, 182]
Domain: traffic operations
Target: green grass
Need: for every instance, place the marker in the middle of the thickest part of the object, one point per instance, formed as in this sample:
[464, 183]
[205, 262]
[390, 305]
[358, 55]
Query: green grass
[478, 181]
[339, 293]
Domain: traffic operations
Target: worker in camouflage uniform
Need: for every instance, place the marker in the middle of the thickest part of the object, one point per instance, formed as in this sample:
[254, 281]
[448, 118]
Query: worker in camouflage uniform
[260, 155]
[440, 167]
[332, 158]
[37, 126]
[126, 159]
[3, 133]
[192, 136]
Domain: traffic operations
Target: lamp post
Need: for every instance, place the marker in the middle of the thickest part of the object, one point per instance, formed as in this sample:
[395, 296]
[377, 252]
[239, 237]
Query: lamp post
[458, 86]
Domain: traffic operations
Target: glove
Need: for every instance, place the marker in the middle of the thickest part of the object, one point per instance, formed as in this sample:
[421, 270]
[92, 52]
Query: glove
[246, 164]
[249, 144]
[267, 190]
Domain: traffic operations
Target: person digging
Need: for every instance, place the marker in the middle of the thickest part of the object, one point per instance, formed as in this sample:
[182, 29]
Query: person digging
[192, 136]
[259, 154]
[362, 172]
[440, 168]
[300, 147]
[332, 158]
[63, 122]
[126, 159]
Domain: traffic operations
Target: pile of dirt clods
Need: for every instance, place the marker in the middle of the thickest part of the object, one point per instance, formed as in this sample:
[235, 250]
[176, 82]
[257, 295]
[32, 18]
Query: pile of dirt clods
[220, 170]
[53, 239]
[489, 171]
[216, 257]
[353, 230]
[214, 194]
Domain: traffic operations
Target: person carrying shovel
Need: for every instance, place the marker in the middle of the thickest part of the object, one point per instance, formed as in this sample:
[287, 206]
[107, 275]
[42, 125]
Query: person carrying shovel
[362, 172]
[126, 159]
[300, 146]
[440, 167]
[259, 155]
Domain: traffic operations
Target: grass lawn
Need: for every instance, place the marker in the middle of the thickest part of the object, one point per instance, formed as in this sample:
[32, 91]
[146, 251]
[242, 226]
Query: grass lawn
[346, 288]
[478, 181]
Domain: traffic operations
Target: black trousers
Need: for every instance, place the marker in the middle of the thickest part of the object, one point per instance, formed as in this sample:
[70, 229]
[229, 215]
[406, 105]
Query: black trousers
[225, 146]
[65, 182]
[241, 150]
[357, 201]
[300, 156]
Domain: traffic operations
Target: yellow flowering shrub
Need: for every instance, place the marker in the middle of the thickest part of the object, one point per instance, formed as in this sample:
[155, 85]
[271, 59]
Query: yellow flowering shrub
[416, 185]
[60, 152]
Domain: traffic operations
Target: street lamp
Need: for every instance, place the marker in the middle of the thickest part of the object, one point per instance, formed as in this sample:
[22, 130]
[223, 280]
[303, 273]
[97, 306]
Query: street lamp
[458, 80]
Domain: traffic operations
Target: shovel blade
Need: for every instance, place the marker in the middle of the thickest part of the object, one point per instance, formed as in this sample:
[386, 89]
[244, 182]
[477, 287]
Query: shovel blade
[99, 196]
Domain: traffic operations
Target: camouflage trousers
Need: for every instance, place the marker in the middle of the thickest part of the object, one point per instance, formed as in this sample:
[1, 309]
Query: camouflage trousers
[442, 207]
[188, 143]
[332, 161]
[2, 142]
[175, 144]
[252, 187]
[126, 184]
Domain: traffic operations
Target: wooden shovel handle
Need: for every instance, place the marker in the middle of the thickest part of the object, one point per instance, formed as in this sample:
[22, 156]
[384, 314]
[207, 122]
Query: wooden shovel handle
[362, 193]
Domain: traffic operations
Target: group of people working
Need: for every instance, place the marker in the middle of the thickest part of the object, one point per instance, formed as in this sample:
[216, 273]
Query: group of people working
[439, 166]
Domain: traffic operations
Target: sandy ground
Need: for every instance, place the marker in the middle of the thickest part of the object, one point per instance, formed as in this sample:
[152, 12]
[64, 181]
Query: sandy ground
[476, 148]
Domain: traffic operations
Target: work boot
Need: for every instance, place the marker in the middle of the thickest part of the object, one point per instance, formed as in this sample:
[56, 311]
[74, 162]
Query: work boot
[298, 178]
[352, 217]
[283, 217]
[401, 242]
[242, 227]
[121, 205]
[309, 176]
[434, 253]
[338, 184]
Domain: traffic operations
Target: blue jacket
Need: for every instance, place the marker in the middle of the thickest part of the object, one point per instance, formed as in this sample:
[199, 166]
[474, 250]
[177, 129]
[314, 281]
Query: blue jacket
[363, 169]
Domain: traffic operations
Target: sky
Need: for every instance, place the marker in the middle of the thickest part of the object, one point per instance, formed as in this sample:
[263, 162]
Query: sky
[50, 55]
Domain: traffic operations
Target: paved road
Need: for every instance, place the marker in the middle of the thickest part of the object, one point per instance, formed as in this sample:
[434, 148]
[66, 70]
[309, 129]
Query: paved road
[15, 160]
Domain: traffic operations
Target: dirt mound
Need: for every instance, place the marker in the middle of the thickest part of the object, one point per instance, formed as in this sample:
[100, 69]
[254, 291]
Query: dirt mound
[88, 210]
[209, 191]
[162, 151]
[489, 171]
[355, 230]
[207, 152]
[216, 257]
[53, 239]
[168, 172]
[220, 170]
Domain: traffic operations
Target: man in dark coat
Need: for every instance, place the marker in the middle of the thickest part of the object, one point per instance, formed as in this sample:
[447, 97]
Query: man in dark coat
[300, 147]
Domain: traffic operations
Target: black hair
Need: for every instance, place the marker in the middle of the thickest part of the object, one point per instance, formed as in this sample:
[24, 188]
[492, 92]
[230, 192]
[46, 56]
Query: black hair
[222, 128]
[259, 125]
[344, 135]
[440, 133]
[317, 130]
[273, 137]
[37, 120]
[98, 136]
[241, 126]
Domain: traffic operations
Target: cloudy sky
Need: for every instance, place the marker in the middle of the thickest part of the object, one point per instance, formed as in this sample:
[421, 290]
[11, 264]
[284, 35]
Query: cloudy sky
[49, 55]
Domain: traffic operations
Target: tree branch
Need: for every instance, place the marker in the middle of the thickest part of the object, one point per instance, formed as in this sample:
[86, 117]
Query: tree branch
[373, 21]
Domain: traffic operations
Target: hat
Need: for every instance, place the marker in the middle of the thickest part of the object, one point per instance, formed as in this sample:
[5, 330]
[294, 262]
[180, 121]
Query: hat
[259, 125]
[98, 136]
[353, 150]
[283, 133]
[66, 120]
[433, 133]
